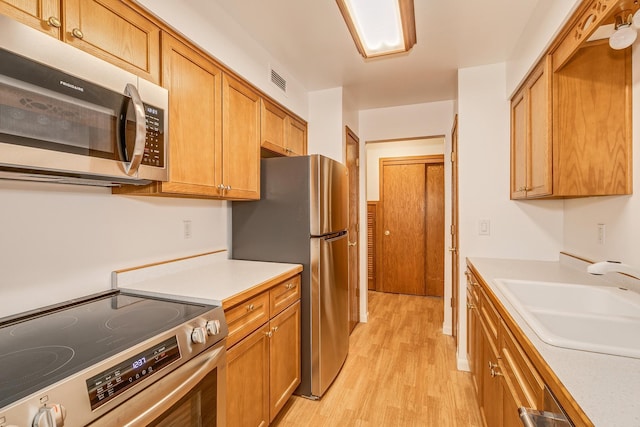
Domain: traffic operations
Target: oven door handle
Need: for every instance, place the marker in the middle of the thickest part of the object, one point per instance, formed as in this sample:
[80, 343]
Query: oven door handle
[172, 387]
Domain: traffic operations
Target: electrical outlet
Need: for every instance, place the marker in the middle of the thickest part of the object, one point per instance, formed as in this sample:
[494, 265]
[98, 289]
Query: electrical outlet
[186, 224]
[602, 228]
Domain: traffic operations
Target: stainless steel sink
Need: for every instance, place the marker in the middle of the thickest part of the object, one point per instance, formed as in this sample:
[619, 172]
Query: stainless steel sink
[600, 319]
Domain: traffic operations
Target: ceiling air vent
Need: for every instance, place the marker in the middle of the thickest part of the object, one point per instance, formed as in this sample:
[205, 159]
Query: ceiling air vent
[278, 80]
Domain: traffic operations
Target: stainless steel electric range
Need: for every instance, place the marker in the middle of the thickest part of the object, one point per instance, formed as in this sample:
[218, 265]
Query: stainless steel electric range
[114, 359]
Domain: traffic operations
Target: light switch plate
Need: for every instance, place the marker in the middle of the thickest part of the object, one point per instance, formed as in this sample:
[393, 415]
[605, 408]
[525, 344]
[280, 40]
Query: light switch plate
[484, 227]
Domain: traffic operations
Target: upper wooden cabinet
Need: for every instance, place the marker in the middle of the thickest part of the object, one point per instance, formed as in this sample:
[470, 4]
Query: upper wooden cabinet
[108, 29]
[195, 125]
[240, 139]
[43, 15]
[531, 135]
[281, 133]
[571, 125]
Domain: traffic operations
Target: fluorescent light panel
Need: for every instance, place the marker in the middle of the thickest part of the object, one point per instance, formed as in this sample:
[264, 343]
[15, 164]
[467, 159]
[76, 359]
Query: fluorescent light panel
[377, 25]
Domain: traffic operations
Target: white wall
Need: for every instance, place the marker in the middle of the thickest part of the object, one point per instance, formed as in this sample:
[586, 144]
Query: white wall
[547, 19]
[405, 122]
[530, 229]
[404, 148]
[325, 134]
[61, 242]
[620, 214]
[212, 29]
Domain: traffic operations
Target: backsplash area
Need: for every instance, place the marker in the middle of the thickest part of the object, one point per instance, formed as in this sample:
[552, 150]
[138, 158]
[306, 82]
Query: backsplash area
[60, 242]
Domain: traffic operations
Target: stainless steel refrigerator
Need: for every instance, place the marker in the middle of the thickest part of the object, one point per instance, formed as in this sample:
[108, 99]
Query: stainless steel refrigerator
[302, 218]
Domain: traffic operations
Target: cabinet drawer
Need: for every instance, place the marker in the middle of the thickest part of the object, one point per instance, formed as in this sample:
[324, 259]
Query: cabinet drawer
[284, 294]
[527, 385]
[488, 316]
[247, 317]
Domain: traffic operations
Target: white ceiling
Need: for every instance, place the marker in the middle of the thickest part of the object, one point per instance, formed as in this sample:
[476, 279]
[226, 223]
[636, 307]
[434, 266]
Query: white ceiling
[310, 40]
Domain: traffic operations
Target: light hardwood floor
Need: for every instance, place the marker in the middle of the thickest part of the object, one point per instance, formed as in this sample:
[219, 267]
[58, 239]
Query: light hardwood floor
[401, 371]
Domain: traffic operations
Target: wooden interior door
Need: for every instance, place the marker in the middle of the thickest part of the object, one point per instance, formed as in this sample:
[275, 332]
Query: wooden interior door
[412, 225]
[353, 151]
[455, 260]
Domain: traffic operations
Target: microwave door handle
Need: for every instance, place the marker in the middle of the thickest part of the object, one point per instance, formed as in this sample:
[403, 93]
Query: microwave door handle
[131, 167]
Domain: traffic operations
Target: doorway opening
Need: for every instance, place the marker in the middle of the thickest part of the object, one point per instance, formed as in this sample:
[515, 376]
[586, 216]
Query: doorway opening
[406, 216]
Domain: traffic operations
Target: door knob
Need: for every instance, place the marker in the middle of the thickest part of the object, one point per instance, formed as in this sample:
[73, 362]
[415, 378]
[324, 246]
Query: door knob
[387, 232]
[453, 250]
[352, 243]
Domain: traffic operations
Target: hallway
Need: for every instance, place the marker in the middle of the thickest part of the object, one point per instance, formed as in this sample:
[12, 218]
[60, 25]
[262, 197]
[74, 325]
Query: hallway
[401, 371]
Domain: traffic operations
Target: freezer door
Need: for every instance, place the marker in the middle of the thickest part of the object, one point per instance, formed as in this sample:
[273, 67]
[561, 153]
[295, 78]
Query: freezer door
[328, 198]
[329, 310]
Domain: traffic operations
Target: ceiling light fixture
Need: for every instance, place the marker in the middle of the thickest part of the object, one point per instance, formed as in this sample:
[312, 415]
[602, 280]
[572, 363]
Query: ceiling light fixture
[625, 34]
[380, 27]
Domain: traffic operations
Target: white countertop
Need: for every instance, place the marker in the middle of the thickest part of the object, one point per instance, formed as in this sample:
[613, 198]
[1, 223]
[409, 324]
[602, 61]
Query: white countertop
[607, 388]
[209, 279]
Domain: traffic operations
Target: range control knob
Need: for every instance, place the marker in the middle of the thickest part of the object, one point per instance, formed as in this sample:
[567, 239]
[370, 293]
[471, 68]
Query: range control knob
[213, 327]
[199, 335]
[50, 416]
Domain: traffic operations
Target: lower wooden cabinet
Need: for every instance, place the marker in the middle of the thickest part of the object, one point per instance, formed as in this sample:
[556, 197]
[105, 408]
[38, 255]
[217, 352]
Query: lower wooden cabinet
[263, 362]
[504, 377]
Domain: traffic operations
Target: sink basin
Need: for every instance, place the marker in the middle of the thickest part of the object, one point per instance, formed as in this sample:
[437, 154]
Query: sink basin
[600, 319]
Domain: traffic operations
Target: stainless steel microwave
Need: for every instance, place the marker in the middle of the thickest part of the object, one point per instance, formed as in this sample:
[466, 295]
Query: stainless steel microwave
[69, 117]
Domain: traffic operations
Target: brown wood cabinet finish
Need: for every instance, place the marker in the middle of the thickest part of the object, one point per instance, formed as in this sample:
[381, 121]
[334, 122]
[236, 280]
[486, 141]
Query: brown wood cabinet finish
[531, 173]
[592, 123]
[281, 133]
[240, 140]
[248, 380]
[263, 353]
[284, 357]
[108, 29]
[43, 15]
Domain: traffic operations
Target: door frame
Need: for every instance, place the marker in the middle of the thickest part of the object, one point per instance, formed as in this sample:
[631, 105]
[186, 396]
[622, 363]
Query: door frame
[454, 249]
[421, 159]
[352, 145]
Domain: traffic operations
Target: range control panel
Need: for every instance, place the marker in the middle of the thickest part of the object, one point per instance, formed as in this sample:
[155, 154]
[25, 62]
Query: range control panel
[110, 383]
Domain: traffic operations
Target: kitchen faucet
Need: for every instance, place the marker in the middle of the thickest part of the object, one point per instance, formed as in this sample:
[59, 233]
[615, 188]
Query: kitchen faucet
[602, 267]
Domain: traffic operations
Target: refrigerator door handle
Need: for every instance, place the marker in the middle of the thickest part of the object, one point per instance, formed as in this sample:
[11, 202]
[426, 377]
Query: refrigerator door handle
[334, 236]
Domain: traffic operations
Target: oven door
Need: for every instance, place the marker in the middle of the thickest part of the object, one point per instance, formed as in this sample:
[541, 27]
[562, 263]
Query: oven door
[192, 395]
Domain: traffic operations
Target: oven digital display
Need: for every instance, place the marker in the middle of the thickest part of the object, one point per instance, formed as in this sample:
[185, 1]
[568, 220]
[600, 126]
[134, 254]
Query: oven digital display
[116, 380]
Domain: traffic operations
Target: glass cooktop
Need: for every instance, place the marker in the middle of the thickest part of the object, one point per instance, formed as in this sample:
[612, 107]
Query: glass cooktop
[40, 351]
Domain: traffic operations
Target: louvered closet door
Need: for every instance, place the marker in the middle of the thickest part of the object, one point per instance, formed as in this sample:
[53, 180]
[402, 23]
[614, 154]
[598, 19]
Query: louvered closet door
[372, 210]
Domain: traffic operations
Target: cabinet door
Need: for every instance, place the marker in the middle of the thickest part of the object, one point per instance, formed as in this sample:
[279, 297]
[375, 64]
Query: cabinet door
[491, 386]
[195, 133]
[273, 127]
[240, 140]
[43, 15]
[284, 356]
[111, 30]
[297, 138]
[539, 177]
[473, 341]
[248, 381]
[518, 146]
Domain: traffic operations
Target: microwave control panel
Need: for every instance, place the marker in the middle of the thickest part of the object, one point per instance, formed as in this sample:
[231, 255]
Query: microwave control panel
[155, 144]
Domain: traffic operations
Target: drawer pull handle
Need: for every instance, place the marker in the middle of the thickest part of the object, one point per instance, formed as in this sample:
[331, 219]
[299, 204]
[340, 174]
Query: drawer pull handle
[492, 365]
[495, 373]
[471, 306]
[289, 286]
[250, 307]
[275, 329]
[269, 334]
